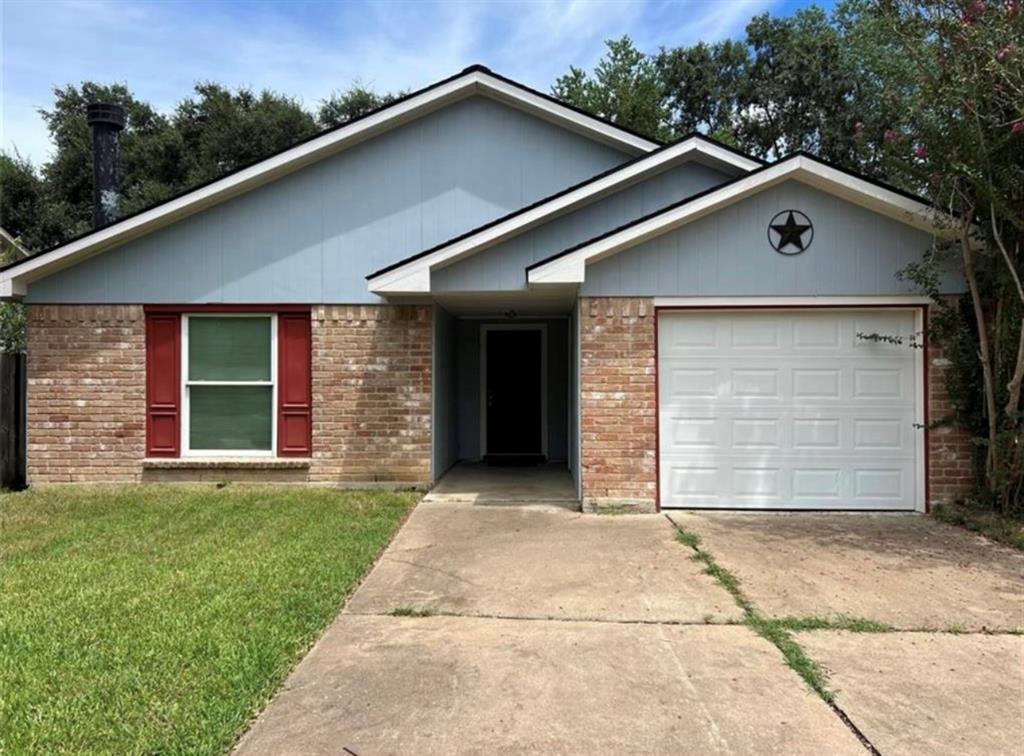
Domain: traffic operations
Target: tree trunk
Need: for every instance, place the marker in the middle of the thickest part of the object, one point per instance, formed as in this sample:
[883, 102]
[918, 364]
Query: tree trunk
[991, 457]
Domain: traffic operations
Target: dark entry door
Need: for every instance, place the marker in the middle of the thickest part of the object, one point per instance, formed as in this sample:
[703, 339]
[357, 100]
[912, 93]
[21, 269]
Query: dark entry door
[513, 392]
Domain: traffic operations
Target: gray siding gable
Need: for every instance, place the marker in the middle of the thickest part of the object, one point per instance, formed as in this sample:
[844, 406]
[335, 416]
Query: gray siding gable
[314, 235]
[503, 267]
[854, 252]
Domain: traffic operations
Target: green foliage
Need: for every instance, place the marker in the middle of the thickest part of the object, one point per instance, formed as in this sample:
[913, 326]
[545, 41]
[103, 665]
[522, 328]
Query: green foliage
[688, 538]
[162, 619]
[840, 622]
[12, 327]
[1004, 529]
[956, 71]
[357, 100]
[625, 89]
[799, 93]
[223, 130]
[412, 611]
[702, 86]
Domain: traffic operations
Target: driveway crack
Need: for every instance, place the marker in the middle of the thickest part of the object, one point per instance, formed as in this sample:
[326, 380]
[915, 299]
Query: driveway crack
[772, 630]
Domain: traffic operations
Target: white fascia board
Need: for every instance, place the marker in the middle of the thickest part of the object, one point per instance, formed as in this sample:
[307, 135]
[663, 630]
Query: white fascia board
[397, 280]
[276, 166]
[726, 303]
[237, 183]
[571, 268]
[12, 290]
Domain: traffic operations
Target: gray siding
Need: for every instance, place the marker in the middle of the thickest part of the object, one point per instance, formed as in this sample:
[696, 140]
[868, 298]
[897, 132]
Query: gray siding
[503, 266]
[314, 235]
[468, 412]
[445, 384]
[854, 252]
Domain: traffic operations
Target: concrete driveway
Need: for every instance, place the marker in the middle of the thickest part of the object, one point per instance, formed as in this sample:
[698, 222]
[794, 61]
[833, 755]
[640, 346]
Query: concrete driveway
[512, 629]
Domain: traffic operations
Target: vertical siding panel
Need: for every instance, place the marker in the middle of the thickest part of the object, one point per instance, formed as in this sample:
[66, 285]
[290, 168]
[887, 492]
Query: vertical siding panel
[382, 200]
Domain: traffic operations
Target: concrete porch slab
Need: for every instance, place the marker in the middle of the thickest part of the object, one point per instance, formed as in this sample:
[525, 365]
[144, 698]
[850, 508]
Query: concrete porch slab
[477, 482]
[915, 693]
[454, 685]
[906, 570]
[503, 561]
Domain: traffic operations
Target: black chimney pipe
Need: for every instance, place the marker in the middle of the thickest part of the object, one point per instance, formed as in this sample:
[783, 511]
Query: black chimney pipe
[106, 121]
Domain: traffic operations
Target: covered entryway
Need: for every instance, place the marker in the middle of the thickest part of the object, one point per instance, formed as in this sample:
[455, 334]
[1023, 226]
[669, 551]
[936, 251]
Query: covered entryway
[504, 421]
[790, 409]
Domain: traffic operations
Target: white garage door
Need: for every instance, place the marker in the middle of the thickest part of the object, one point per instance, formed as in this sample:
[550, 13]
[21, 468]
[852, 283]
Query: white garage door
[789, 409]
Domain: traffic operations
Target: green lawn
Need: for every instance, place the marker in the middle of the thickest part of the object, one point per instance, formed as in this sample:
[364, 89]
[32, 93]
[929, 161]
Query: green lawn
[161, 619]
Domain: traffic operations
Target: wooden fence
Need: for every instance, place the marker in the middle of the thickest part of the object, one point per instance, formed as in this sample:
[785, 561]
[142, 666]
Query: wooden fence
[12, 421]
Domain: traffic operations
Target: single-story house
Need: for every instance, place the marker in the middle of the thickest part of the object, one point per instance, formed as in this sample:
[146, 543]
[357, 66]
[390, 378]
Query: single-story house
[479, 270]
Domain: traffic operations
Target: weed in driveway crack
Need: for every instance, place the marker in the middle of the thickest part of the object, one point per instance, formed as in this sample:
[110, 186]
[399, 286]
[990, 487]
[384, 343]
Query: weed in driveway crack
[838, 622]
[774, 631]
[412, 611]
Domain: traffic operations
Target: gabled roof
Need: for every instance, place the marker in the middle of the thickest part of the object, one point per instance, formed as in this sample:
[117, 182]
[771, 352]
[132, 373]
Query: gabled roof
[569, 266]
[475, 80]
[412, 275]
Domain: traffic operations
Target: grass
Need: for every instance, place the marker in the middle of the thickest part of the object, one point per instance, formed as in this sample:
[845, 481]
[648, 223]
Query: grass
[776, 632]
[161, 619]
[839, 622]
[1001, 528]
[412, 611]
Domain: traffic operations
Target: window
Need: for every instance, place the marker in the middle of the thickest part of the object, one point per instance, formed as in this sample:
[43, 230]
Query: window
[229, 393]
[227, 381]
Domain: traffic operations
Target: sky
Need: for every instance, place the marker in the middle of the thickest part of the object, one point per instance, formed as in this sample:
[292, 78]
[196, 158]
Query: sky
[307, 49]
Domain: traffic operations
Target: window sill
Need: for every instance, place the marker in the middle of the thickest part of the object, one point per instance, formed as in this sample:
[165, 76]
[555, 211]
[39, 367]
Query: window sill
[225, 463]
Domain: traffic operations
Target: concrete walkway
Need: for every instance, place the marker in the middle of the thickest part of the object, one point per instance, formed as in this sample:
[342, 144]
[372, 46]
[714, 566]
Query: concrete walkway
[500, 629]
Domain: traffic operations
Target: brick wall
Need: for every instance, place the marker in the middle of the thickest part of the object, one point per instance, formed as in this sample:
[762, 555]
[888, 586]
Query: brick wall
[372, 394]
[371, 399]
[618, 407]
[951, 471]
[86, 393]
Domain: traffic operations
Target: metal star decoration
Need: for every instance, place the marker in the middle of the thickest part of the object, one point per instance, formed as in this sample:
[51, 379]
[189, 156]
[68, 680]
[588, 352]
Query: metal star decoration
[791, 232]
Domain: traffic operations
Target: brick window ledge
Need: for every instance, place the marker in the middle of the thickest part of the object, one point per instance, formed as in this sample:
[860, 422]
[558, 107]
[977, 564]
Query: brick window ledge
[226, 463]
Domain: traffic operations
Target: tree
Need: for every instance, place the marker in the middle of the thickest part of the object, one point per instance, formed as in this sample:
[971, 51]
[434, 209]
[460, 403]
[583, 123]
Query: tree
[625, 88]
[799, 92]
[357, 100]
[223, 130]
[956, 70]
[702, 86]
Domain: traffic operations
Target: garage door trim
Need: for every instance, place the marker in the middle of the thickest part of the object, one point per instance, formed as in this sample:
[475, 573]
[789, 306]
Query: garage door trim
[738, 304]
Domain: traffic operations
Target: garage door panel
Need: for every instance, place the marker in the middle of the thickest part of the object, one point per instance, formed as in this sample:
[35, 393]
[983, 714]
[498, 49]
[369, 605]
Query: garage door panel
[883, 383]
[788, 411]
[791, 484]
[742, 430]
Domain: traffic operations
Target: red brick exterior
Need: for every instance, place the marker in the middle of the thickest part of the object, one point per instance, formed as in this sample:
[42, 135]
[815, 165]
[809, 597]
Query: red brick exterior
[86, 393]
[371, 402]
[372, 394]
[618, 404]
[619, 414]
[950, 464]
[371, 399]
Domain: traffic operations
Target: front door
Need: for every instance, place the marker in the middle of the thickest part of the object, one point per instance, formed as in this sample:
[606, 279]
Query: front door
[513, 392]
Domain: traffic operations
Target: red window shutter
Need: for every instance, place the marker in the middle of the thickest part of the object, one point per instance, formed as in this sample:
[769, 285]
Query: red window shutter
[163, 384]
[294, 390]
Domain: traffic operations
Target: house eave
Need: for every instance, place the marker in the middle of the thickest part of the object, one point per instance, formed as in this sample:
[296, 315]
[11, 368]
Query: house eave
[570, 266]
[416, 269]
[473, 81]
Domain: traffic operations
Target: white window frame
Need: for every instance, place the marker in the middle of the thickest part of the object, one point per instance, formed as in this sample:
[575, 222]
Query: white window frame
[186, 410]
